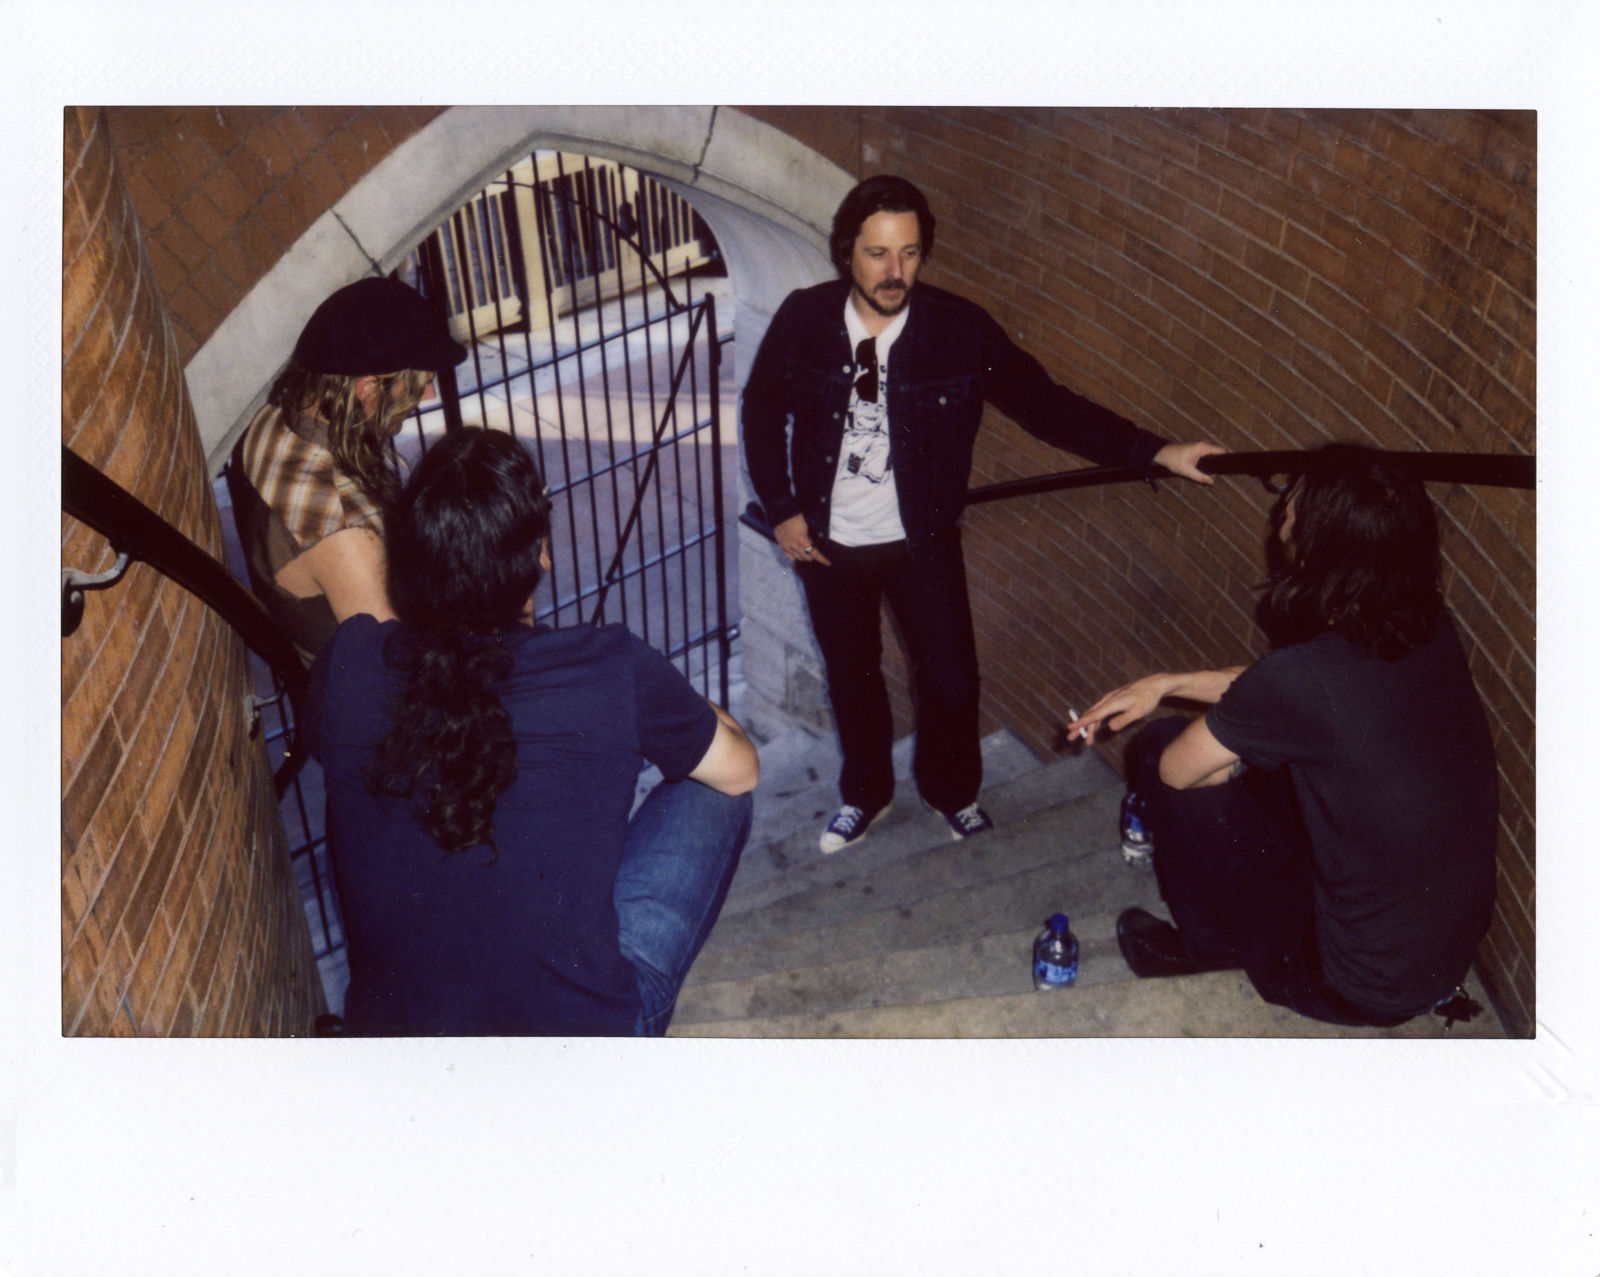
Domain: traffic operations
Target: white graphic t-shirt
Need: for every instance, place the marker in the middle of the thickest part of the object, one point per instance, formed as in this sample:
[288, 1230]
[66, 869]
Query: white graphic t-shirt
[866, 508]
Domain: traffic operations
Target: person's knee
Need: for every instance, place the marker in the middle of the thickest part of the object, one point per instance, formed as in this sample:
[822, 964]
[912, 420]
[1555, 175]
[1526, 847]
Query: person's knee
[950, 689]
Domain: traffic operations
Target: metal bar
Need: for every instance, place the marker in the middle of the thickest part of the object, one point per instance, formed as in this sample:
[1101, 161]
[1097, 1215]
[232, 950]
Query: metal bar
[1498, 470]
[1501, 470]
[134, 529]
[438, 291]
[660, 500]
[551, 223]
[714, 358]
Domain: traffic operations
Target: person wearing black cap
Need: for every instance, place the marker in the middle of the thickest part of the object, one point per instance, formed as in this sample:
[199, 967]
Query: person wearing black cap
[313, 476]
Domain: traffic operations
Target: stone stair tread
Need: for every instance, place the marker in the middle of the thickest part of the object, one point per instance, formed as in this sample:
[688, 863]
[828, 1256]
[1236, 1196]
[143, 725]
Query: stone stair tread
[1216, 1004]
[773, 871]
[996, 964]
[1096, 885]
[1065, 858]
[799, 793]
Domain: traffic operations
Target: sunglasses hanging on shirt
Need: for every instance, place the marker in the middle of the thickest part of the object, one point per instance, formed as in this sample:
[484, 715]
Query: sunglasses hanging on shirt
[867, 382]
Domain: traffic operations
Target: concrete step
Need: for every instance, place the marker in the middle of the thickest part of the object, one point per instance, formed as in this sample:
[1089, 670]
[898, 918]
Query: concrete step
[799, 793]
[1216, 1004]
[1063, 858]
[992, 965]
[852, 951]
[795, 864]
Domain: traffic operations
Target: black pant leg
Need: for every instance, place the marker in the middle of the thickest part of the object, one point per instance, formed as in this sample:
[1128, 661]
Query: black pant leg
[844, 600]
[927, 595]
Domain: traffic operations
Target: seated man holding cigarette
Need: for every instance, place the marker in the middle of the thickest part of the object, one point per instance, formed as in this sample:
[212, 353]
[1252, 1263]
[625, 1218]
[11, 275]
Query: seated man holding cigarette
[1329, 824]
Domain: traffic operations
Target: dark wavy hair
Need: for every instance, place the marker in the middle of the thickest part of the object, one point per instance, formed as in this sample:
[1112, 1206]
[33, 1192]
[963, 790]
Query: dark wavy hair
[1361, 556]
[882, 194]
[463, 542]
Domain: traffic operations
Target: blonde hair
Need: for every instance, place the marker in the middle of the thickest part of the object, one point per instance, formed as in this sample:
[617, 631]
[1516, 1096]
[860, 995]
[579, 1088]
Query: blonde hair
[360, 440]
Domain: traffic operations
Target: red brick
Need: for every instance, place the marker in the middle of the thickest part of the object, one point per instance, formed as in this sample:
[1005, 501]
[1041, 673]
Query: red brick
[268, 145]
[201, 216]
[134, 124]
[329, 184]
[369, 133]
[1461, 131]
[189, 152]
[348, 157]
[1510, 157]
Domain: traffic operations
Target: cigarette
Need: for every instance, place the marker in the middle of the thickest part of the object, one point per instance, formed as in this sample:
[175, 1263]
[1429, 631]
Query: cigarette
[1082, 731]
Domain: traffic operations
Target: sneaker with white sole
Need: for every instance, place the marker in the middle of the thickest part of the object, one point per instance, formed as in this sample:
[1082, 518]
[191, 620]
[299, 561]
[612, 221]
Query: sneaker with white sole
[968, 821]
[850, 826]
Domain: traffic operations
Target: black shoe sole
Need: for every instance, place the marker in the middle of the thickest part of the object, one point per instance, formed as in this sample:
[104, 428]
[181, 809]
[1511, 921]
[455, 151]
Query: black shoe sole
[1150, 947]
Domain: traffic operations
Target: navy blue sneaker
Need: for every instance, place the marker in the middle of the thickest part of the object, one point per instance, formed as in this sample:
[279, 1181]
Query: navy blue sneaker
[968, 821]
[1137, 846]
[849, 826]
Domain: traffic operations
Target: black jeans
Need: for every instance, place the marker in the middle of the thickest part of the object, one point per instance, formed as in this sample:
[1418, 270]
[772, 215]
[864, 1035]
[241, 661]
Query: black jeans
[1234, 865]
[927, 596]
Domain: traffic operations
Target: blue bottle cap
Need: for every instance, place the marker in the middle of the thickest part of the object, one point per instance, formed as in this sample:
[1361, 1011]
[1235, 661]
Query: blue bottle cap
[1058, 922]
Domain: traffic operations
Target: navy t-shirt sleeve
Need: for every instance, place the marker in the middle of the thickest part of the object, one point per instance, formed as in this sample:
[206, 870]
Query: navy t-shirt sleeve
[1278, 711]
[676, 724]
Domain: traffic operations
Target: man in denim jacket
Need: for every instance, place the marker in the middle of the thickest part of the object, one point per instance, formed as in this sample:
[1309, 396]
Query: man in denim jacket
[883, 395]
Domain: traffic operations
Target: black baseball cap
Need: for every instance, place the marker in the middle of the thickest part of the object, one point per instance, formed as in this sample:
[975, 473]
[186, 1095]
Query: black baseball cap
[374, 326]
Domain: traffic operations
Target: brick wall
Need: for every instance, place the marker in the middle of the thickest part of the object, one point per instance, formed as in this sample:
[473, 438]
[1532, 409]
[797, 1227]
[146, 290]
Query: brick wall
[1264, 279]
[222, 192]
[179, 913]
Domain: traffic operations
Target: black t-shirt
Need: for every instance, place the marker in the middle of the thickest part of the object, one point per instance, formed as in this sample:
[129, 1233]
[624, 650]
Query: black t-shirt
[1394, 770]
[525, 943]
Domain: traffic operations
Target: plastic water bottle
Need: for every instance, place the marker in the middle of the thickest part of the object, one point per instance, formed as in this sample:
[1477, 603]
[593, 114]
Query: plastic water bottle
[1055, 954]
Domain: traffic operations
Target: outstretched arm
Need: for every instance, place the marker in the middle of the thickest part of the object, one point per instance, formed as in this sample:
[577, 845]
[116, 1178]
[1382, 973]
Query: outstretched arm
[1128, 704]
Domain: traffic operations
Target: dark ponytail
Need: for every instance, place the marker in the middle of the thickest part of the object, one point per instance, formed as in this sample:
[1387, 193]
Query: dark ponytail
[463, 545]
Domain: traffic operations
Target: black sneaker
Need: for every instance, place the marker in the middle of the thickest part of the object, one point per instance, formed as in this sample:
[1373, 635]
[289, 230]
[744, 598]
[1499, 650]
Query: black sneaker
[968, 821]
[1138, 848]
[849, 826]
[1151, 947]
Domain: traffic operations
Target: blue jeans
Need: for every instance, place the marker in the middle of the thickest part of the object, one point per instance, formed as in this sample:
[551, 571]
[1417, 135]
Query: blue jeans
[927, 596]
[677, 863]
[1234, 865]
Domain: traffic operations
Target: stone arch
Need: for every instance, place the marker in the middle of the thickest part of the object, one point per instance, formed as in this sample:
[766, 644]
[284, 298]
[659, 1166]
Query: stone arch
[768, 198]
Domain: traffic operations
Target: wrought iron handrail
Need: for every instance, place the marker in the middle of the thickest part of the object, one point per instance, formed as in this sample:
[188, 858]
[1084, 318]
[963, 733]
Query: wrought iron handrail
[139, 533]
[1498, 470]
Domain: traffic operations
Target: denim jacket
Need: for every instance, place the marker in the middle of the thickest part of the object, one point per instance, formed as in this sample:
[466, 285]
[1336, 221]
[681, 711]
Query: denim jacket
[951, 357]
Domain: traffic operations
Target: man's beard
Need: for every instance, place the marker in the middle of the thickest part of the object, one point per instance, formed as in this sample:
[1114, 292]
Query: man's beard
[887, 311]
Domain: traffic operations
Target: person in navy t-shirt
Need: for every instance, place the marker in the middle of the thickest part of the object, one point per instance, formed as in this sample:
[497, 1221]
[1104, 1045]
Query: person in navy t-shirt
[480, 773]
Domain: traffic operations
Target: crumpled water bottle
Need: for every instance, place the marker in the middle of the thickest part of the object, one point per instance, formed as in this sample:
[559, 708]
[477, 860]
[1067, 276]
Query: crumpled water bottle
[1055, 954]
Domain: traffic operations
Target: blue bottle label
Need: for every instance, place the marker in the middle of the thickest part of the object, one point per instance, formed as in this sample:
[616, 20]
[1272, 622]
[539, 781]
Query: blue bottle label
[1053, 973]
